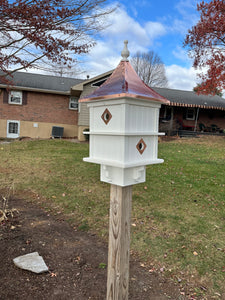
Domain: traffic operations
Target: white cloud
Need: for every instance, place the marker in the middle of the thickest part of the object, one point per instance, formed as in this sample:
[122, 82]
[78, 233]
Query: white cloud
[106, 54]
[188, 16]
[183, 16]
[182, 54]
[186, 6]
[181, 78]
[155, 30]
[122, 25]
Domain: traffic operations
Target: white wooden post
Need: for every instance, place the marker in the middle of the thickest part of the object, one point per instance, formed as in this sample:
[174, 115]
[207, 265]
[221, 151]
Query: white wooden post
[119, 242]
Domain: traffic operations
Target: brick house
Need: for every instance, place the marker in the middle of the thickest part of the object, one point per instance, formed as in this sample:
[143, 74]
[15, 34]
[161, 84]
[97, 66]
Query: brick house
[187, 111]
[35, 103]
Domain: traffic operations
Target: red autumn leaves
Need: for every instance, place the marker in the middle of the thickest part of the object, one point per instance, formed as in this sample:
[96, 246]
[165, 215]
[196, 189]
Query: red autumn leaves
[206, 42]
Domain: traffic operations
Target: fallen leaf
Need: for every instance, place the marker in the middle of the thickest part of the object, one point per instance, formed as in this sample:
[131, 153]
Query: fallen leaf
[78, 259]
[195, 253]
[152, 270]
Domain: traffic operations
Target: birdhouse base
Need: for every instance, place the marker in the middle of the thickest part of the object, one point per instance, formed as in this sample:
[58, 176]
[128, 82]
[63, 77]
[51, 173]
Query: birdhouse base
[123, 176]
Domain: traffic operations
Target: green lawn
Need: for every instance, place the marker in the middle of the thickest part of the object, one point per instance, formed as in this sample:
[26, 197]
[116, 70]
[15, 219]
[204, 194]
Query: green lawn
[178, 216]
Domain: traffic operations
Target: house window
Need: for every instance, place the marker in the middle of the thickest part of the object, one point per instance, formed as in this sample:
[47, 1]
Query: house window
[190, 114]
[15, 97]
[73, 103]
[13, 129]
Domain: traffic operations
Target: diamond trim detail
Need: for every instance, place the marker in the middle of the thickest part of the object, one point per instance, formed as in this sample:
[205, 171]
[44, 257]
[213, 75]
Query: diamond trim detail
[141, 146]
[106, 116]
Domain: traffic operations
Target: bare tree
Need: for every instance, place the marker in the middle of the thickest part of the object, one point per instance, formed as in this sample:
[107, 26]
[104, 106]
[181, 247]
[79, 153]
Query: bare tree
[150, 68]
[36, 32]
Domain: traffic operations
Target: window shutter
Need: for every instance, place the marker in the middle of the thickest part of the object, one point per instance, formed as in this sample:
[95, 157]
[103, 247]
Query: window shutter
[24, 101]
[5, 96]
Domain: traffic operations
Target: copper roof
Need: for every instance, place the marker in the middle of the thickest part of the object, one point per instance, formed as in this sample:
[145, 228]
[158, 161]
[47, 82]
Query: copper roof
[124, 82]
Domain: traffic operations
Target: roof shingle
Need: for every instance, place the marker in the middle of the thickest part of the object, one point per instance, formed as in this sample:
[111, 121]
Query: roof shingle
[191, 99]
[44, 82]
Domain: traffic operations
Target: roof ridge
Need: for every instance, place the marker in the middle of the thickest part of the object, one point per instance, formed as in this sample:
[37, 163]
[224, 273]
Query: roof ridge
[46, 75]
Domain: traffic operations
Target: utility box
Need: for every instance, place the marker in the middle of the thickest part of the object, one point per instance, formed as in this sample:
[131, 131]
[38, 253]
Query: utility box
[124, 116]
[57, 132]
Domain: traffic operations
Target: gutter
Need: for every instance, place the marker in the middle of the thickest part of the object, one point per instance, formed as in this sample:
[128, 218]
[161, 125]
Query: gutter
[36, 90]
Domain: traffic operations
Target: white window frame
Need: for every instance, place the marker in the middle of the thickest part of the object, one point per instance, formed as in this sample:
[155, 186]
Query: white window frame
[13, 135]
[15, 94]
[193, 114]
[74, 100]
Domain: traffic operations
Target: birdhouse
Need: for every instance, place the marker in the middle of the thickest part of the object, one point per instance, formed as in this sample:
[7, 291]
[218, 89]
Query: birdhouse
[124, 116]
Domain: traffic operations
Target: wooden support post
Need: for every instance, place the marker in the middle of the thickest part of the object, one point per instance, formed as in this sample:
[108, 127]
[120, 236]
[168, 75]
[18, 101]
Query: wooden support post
[171, 122]
[119, 242]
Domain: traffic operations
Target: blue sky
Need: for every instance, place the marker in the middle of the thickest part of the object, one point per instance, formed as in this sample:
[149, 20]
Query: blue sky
[160, 26]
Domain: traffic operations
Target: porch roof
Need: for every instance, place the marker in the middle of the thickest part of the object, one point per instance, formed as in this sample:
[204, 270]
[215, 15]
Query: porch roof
[191, 99]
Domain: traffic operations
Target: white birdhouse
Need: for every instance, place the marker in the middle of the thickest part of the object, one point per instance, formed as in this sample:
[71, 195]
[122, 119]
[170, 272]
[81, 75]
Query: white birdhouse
[124, 116]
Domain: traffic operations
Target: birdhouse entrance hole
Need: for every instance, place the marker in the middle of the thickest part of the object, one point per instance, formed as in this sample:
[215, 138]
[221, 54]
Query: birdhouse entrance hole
[106, 116]
[141, 146]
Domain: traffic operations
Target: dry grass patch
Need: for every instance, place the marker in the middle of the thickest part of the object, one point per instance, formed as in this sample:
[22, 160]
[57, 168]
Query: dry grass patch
[178, 215]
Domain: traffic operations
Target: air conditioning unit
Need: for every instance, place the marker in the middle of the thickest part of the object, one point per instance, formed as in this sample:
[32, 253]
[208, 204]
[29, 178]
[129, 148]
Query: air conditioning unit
[57, 132]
